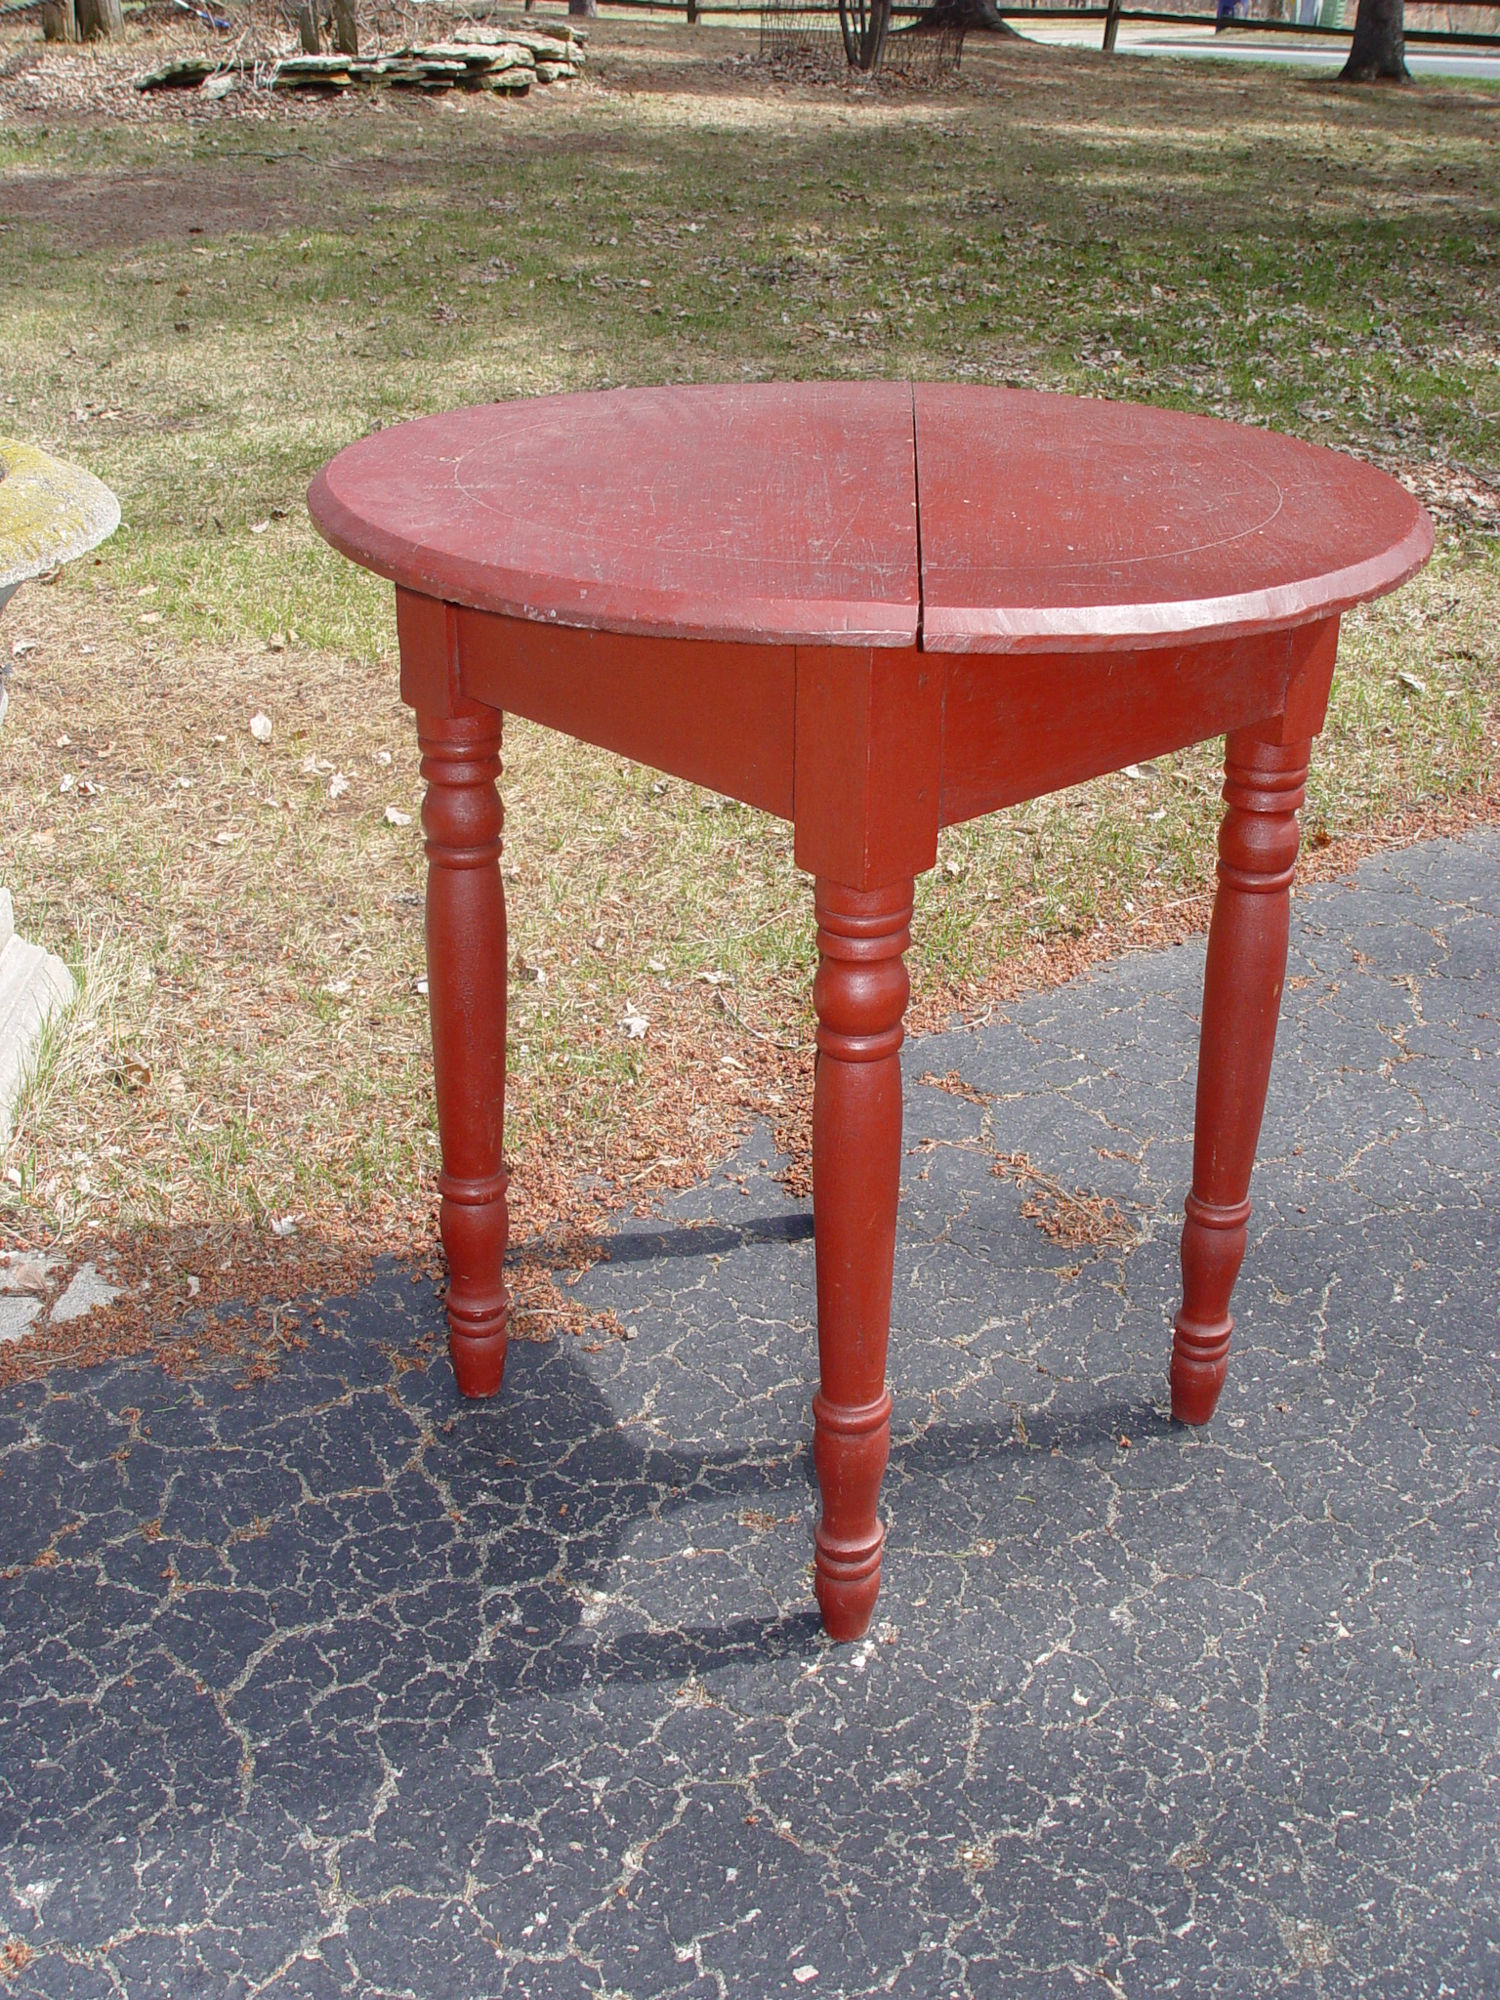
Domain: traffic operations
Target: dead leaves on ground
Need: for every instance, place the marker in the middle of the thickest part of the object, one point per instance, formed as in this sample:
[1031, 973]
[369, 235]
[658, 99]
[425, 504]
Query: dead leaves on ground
[1073, 1218]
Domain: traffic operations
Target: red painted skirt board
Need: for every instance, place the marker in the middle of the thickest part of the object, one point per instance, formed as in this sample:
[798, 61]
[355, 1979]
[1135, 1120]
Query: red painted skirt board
[1018, 725]
[718, 715]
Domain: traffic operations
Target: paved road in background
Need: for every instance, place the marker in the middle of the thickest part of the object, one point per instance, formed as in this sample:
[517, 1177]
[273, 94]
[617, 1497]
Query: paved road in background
[1476, 66]
[329, 1686]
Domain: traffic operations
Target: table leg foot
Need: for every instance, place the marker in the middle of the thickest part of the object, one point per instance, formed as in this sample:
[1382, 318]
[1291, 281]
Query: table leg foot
[860, 996]
[1242, 982]
[1213, 1248]
[850, 1450]
[466, 983]
[475, 1225]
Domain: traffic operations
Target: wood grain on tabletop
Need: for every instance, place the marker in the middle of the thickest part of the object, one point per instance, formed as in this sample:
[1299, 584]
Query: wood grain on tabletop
[775, 512]
[1064, 522]
[788, 513]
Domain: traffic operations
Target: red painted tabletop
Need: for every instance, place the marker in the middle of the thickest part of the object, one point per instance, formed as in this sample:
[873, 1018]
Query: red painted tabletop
[969, 519]
[771, 511]
[1054, 521]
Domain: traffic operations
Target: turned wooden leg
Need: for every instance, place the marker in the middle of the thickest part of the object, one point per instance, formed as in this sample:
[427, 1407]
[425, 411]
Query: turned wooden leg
[860, 995]
[466, 978]
[1242, 984]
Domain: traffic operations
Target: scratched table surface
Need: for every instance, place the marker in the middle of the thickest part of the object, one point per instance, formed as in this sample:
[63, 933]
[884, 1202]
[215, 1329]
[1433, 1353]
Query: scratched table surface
[870, 514]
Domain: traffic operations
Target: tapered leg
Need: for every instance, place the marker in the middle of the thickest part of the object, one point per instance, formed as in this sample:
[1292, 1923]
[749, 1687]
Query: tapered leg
[1242, 985]
[466, 976]
[860, 995]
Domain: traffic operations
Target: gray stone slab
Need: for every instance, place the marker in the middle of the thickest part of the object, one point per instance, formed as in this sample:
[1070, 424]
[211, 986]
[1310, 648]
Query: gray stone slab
[86, 1289]
[342, 1687]
[34, 984]
[17, 1312]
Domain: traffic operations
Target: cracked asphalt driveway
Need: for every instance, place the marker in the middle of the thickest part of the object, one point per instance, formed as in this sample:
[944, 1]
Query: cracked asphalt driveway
[339, 1688]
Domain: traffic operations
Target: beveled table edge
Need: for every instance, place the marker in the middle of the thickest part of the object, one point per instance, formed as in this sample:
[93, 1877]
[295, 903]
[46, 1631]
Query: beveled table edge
[660, 614]
[1179, 621]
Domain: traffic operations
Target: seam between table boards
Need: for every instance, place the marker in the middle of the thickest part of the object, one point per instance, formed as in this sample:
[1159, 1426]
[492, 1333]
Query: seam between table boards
[916, 488]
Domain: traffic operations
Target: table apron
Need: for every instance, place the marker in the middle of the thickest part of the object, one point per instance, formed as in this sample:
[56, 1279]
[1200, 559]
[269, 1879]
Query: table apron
[718, 714]
[1017, 726]
[865, 751]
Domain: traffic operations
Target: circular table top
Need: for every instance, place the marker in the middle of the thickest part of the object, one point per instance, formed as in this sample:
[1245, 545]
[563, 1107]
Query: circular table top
[961, 518]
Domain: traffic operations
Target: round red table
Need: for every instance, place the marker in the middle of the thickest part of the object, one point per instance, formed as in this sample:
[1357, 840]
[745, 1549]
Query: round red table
[873, 609]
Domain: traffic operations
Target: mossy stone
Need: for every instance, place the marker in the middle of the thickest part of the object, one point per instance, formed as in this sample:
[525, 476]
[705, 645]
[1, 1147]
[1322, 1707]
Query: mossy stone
[49, 512]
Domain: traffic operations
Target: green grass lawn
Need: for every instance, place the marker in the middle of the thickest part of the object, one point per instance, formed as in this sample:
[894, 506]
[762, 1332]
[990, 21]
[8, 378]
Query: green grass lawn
[204, 308]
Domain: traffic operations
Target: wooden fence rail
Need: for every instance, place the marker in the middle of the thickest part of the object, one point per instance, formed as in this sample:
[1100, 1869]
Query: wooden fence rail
[1110, 15]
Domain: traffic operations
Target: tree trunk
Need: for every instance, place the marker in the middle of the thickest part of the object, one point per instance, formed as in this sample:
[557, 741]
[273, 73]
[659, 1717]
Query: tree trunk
[59, 23]
[583, 10]
[307, 29]
[970, 15]
[1378, 52]
[99, 20]
[345, 28]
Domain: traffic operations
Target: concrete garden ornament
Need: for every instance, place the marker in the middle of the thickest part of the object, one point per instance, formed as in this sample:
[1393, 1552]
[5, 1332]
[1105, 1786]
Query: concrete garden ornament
[50, 513]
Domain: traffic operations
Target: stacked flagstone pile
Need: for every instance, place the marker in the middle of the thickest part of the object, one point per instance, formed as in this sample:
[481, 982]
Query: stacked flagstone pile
[506, 58]
[510, 59]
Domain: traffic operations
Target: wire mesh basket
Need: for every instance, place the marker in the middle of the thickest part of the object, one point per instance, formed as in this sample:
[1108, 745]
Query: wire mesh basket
[922, 47]
[800, 31]
[908, 43]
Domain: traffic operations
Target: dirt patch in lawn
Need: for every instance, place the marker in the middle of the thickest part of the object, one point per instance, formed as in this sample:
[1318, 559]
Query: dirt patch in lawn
[126, 206]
